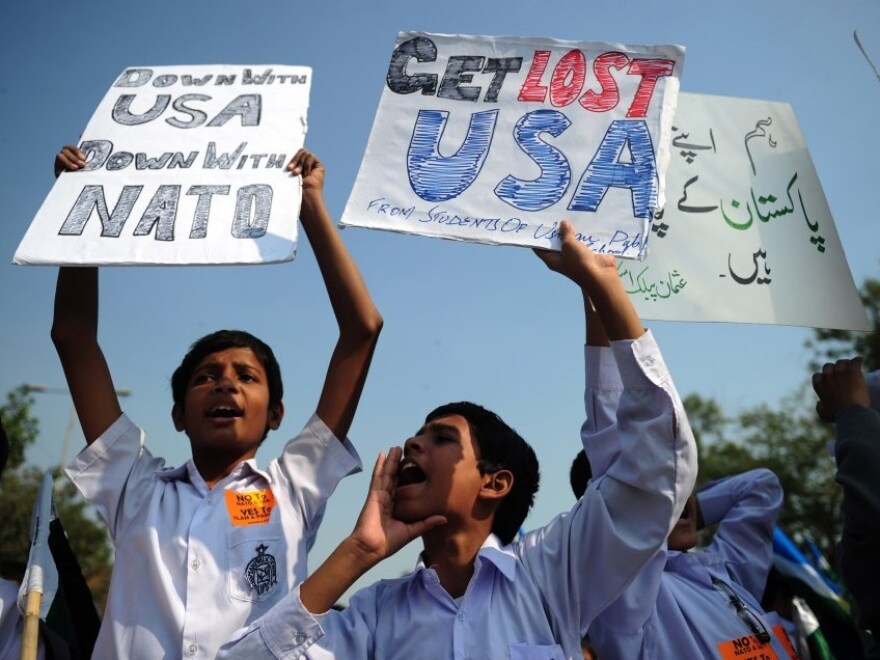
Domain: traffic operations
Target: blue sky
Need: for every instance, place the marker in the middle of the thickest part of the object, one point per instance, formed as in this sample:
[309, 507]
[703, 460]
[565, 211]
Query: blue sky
[489, 324]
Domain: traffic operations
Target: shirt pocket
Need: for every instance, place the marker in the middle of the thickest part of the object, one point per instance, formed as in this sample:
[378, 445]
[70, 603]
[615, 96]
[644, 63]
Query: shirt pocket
[256, 556]
[524, 651]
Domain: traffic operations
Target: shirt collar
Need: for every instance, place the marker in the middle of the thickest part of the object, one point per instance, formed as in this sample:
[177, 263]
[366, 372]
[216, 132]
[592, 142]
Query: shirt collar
[502, 557]
[189, 472]
[699, 565]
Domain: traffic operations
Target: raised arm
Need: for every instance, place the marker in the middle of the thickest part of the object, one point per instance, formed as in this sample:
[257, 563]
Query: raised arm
[358, 319]
[849, 398]
[603, 298]
[745, 507]
[596, 275]
[615, 533]
[602, 390]
[840, 385]
[75, 335]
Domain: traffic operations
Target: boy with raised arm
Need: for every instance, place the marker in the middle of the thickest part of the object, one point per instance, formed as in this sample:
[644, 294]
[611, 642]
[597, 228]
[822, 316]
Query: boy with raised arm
[465, 485]
[208, 547]
[685, 604]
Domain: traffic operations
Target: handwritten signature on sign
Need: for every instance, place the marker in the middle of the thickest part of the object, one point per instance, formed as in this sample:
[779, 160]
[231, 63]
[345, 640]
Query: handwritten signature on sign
[640, 283]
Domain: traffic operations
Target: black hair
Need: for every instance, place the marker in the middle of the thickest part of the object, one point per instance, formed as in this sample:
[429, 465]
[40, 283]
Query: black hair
[12, 570]
[220, 341]
[501, 448]
[580, 474]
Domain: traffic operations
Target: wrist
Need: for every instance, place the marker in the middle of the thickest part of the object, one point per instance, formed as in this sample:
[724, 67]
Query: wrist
[846, 406]
[361, 555]
[617, 314]
[313, 197]
[312, 211]
[329, 581]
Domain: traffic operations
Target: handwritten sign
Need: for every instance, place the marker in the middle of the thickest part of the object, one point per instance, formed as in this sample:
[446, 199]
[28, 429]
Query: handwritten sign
[498, 139]
[746, 234]
[185, 165]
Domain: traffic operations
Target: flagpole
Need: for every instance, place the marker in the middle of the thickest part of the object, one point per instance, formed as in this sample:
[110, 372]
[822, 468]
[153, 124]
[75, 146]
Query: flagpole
[30, 635]
[40, 577]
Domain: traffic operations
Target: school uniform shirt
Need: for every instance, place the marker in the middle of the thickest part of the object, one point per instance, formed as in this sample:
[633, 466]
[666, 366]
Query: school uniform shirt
[679, 605]
[195, 564]
[11, 623]
[533, 598]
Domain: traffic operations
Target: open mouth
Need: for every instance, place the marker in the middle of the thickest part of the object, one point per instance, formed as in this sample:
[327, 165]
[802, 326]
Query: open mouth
[224, 412]
[409, 473]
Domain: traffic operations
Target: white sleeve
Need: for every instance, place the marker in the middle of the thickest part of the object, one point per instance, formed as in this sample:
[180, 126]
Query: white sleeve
[285, 631]
[289, 630]
[310, 467]
[116, 463]
[602, 391]
[587, 558]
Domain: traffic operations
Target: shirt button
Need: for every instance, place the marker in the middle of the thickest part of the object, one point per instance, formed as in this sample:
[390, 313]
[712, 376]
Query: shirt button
[300, 638]
[461, 616]
[193, 648]
[195, 564]
[210, 498]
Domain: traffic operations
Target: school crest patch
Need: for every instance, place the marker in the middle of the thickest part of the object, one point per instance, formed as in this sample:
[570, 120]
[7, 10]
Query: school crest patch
[260, 572]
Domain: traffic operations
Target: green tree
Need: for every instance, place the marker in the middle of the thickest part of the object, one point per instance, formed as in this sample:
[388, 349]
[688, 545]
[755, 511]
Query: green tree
[788, 438]
[791, 442]
[21, 427]
[706, 418]
[18, 491]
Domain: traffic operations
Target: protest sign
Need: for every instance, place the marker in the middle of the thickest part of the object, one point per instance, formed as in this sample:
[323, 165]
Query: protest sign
[746, 234]
[185, 165]
[498, 139]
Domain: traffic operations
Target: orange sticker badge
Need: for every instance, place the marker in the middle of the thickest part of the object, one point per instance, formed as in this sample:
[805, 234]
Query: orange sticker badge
[746, 648]
[785, 640]
[252, 507]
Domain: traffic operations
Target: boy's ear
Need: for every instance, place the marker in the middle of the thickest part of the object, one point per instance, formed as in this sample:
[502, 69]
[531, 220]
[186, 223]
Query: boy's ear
[276, 414]
[177, 417]
[496, 485]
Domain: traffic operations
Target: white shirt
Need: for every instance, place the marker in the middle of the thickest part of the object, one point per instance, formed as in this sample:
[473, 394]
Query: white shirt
[672, 609]
[536, 597]
[185, 575]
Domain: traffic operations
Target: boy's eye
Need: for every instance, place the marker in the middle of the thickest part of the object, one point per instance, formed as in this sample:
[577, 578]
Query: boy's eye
[203, 378]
